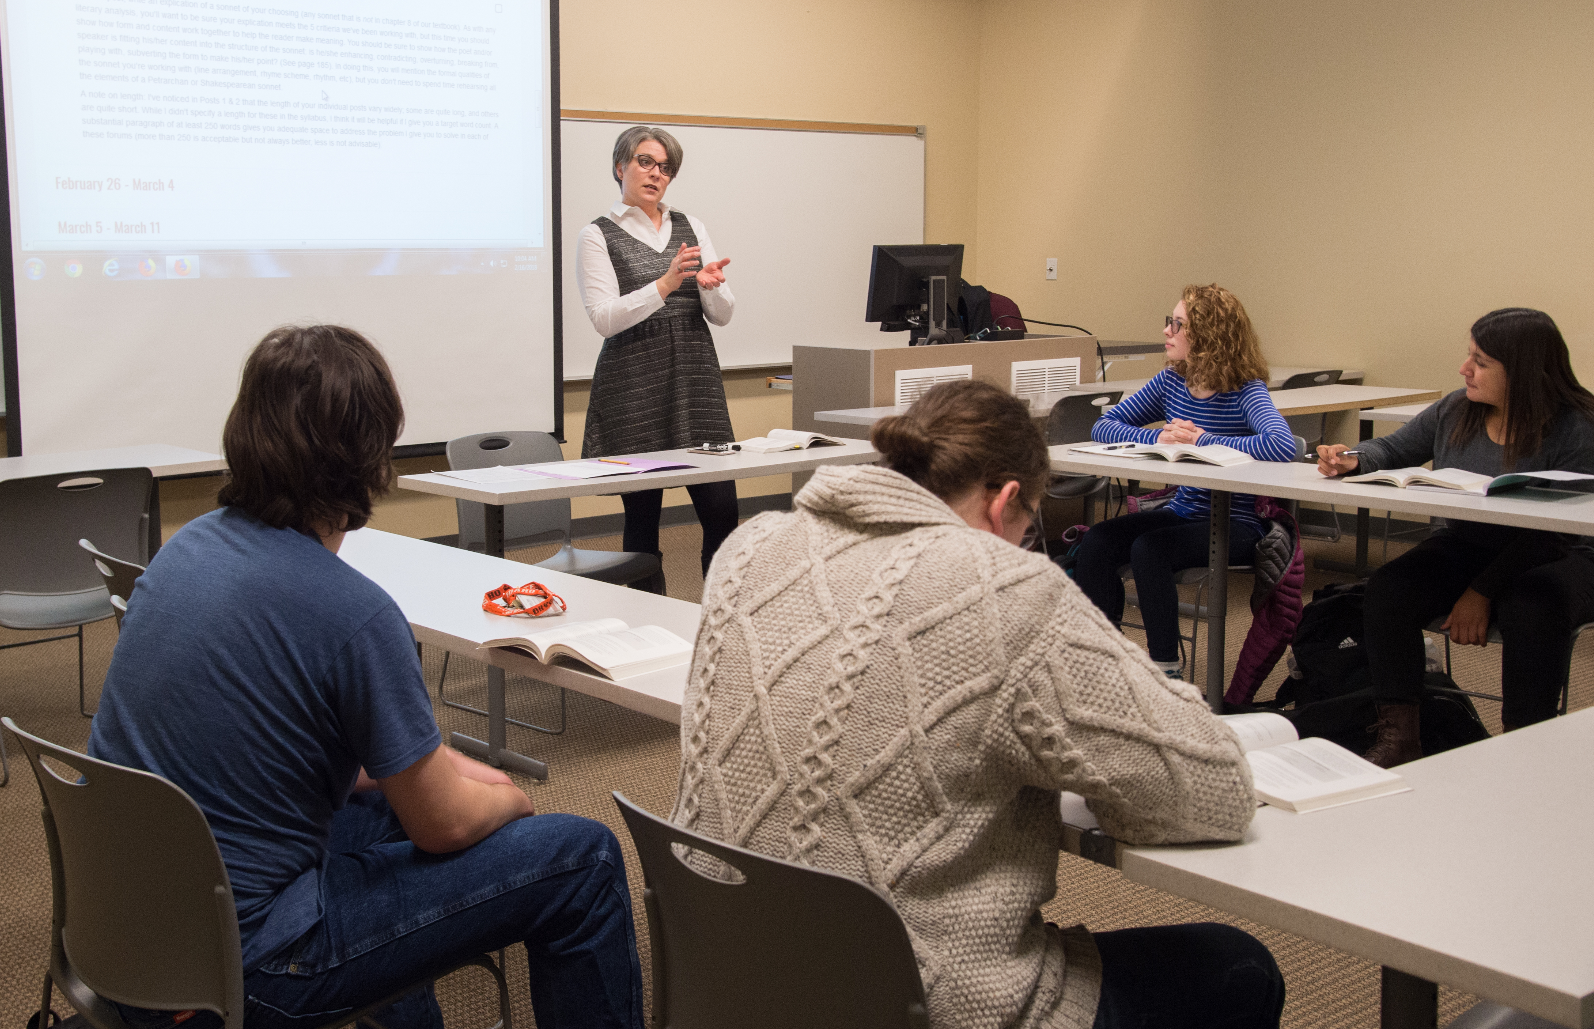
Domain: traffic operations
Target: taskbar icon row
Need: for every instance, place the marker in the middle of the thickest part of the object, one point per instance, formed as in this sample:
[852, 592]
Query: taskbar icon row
[168, 266]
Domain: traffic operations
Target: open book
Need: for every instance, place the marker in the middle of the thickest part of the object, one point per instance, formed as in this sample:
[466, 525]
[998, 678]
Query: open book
[787, 439]
[1211, 453]
[1305, 775]
[1456, 480]
[1287, 771]
[607, 645]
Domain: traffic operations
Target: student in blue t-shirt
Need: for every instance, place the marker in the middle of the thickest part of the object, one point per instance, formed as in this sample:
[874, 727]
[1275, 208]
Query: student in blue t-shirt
[280, 688]
[1214, 390]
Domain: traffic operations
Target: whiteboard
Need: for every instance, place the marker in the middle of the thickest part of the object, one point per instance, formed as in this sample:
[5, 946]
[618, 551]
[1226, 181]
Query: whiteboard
[797, 212]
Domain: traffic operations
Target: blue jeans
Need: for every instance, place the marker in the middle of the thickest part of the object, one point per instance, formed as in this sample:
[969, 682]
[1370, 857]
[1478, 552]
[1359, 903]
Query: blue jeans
[1155, 544]
[393, 914]
[1205, 974]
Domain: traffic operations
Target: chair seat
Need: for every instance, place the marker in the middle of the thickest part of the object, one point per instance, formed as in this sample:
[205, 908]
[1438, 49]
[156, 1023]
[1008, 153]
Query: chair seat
[54, 610]
[1186, 576]
[617, 568]
[1063, 487]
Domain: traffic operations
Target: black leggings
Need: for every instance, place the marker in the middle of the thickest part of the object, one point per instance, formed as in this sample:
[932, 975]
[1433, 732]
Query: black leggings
[1535, 613]
[1206, 975]
[715, 503]
[1156, 544]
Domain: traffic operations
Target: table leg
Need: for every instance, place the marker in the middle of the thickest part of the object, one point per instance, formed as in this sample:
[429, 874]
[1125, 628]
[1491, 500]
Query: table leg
[495, 751]
[1407, 1002]
[1217, 597]
[1364, 525]
[154, 515]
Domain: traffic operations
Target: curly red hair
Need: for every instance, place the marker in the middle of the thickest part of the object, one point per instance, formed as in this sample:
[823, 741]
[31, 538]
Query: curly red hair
[1225, 352]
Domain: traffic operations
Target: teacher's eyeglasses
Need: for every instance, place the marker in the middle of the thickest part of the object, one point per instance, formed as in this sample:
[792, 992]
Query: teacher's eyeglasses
[1176, 324]
[647, 164]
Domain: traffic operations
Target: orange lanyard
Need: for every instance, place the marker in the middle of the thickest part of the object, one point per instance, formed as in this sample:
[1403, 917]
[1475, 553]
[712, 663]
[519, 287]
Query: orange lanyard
[529, 601]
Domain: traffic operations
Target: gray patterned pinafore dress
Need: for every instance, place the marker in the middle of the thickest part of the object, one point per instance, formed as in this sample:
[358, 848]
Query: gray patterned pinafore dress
[657, 385]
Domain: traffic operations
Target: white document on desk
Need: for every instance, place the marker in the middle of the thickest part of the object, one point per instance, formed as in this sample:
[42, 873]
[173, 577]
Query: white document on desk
[497, 473]
[580, 469]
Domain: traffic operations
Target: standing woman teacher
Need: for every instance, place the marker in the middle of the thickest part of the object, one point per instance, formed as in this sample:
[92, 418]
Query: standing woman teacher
[652, 284]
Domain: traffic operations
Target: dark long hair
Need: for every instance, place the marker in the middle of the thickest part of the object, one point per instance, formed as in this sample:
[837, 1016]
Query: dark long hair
[309, 440]
[959, 435]
[1539, 378]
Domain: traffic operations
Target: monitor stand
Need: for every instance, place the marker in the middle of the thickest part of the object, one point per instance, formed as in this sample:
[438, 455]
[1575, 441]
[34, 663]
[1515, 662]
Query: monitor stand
[933, 327]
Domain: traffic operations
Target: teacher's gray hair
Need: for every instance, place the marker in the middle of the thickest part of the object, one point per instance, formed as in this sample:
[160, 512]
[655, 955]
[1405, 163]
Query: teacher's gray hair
[626, 146]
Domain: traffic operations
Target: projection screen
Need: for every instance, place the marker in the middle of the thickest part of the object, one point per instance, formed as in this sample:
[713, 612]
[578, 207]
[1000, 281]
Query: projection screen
[184, 175]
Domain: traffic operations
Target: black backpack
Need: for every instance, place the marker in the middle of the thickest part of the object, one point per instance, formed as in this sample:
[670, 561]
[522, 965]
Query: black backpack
[974, 308]
[1333, 696]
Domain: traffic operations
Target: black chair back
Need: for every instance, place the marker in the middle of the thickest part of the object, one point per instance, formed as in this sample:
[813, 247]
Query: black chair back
[1073, 416]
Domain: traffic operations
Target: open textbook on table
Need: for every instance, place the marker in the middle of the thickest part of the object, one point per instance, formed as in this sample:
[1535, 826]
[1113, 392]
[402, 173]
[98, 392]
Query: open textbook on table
[1211, 453]
[1286, 771]
[788, 439]
[1455, 480]
[606, 645]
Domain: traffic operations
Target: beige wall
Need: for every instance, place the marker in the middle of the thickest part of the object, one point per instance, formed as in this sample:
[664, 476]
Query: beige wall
[1368, 177]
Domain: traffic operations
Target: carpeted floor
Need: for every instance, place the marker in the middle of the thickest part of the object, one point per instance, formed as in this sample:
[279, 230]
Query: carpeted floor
[605, 748]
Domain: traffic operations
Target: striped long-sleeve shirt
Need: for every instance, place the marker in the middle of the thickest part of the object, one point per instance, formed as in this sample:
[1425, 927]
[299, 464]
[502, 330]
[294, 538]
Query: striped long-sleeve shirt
[1244, 419]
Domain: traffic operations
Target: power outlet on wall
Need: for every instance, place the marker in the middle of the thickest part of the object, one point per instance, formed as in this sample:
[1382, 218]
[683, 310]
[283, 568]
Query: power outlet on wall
[1051, 267]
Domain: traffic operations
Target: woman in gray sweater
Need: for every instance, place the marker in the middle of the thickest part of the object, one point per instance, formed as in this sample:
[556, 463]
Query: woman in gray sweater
[1522, 410]
[888, 686]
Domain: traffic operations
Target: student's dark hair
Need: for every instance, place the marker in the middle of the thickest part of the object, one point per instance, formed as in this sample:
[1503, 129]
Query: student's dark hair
[1539, 377]
[309, 441]
[959, 435]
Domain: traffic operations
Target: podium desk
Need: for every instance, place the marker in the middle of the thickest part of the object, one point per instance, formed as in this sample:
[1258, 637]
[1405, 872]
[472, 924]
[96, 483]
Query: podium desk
[440, 589]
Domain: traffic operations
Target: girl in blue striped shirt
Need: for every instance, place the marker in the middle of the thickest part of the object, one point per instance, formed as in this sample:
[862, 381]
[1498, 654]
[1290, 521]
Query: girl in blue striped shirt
[1214, 390]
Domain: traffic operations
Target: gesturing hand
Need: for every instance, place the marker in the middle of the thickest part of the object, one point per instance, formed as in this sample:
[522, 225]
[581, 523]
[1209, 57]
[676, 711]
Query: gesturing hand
[713, 274]
[684, 263]
[1331, 462]
[1468, 623]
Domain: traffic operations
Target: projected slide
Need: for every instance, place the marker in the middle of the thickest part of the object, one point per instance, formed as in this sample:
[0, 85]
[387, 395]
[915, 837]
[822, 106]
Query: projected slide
[183, 126]
[185, 175]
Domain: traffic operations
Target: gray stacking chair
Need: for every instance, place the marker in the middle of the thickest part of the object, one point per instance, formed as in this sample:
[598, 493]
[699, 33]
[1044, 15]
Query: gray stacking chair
[44, 581]
[119, 577]
[541, 520]
[1437, 625]
[748, 954]
[535, 522]
[1070, 421]
[142, 909]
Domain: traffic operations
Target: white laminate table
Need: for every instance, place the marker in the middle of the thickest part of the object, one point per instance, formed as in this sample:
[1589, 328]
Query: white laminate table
[163, 461]
[1549, 510]
[1307, 400]
[705, 468]
[440, 589]
[1477, 878]
[1402, 415]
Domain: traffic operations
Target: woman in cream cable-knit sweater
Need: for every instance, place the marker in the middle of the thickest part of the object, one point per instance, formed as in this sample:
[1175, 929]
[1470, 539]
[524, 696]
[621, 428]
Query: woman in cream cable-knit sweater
[887, 686]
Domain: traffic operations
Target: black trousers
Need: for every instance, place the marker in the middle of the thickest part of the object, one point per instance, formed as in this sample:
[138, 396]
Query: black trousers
[715, 503]
[1535, 613]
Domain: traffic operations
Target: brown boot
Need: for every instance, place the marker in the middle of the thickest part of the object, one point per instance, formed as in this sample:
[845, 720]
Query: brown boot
[1399, 738]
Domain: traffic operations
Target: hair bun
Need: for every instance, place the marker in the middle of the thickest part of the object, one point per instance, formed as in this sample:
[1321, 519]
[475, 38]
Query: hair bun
[906, 446]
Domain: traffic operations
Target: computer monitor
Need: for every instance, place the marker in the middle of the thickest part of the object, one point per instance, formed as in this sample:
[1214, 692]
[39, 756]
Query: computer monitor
[915, 288]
